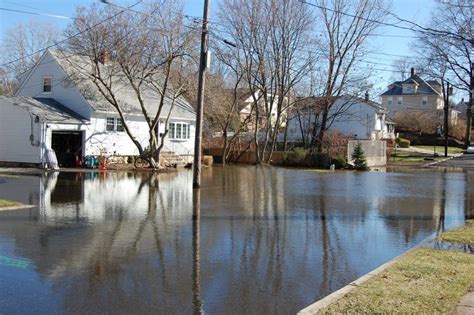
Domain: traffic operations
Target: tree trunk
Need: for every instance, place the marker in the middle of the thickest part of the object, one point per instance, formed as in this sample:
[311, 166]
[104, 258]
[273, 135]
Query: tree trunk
[467, 138]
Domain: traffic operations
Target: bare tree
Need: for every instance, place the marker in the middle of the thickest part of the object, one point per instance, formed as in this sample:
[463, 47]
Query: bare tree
[402, 67]
[21, 49]
[346, 25]
[271, 36]
[448, 49]
[147, 52]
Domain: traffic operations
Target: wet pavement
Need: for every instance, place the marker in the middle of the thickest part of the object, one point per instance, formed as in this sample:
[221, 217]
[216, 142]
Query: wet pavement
[464, 162]
[254, 240]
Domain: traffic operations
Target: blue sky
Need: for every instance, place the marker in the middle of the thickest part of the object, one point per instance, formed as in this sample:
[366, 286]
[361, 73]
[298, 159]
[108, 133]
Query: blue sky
[385, 46]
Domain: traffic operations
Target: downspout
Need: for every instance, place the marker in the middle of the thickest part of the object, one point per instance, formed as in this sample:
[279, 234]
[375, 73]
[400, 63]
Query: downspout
[43, 143]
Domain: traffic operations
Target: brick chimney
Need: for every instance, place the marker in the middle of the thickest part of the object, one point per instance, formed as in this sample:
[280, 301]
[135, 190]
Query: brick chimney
[104, 56]
[366, 96]
[412, 71]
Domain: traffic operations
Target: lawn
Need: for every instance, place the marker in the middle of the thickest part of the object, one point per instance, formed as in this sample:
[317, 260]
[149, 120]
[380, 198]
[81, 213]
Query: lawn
[7, 203]
[463, 235]
[424, 281]
[402, 156]
[439, 149]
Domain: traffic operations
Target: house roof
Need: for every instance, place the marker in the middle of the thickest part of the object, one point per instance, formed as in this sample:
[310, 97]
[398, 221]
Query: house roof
[77, 69]
[316, 103]
[425, 87]
[47, 110]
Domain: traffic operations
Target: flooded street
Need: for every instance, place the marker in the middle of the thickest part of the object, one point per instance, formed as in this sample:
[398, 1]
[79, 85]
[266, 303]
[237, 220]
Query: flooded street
[254, 240]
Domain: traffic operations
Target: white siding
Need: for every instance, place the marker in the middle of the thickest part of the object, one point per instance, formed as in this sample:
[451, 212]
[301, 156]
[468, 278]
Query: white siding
[62, 90]
[16, 127]
[97, 140]
[358, 119]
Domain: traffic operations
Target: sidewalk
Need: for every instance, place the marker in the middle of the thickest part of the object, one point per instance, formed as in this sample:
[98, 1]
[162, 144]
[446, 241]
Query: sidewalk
[424, 151]
[466, 304]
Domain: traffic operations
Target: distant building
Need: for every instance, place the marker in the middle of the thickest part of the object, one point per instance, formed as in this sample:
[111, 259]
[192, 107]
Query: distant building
[354, 117]
[268, 109]
[416, 94]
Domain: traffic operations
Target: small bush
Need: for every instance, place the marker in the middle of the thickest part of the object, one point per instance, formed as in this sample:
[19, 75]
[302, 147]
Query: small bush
[403, 143]
[298, 154]
[339, 162]
[318, 160]
[295, 157]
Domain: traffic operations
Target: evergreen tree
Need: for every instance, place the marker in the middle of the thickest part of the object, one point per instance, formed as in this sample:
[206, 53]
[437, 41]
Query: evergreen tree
[360, 163]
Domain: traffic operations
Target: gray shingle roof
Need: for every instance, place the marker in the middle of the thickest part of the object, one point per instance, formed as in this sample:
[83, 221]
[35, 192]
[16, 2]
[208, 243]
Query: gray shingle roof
[429, 87]
[47, 110]
[77, 67]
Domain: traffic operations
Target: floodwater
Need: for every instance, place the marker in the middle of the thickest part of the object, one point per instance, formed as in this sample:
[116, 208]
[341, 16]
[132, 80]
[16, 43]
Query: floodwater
[254, 240]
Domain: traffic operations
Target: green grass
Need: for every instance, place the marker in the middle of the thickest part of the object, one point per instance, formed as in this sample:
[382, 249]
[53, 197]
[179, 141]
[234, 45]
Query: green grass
[7, 203]
[463, 235]
[439, 149]
[425, 281]
[402, 156]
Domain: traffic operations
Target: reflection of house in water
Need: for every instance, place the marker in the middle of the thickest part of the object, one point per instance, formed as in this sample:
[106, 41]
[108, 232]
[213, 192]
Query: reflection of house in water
[266, 239]
[108, 237]
[438, 202]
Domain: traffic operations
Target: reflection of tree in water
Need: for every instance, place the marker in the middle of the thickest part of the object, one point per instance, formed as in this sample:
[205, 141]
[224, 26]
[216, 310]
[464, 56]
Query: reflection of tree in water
[113, 266]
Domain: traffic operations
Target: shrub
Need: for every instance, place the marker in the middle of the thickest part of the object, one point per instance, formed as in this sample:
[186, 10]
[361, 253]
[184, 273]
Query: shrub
[318, 160]
[339, 162]
[298, 154]
[295, 157]
[360, 163]
[403, 143]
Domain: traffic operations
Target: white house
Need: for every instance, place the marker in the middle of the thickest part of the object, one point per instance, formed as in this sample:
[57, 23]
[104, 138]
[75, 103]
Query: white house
[352, 116]
[267, 108]
[53, 111]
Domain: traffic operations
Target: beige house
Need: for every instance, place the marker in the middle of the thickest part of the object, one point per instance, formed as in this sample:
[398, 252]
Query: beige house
[416, 94]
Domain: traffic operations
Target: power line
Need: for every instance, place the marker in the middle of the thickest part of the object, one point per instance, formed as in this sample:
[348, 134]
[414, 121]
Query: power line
[356, 16]
[37, 13]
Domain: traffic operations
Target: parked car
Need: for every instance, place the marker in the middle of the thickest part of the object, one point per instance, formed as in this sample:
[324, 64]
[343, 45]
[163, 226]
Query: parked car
[470, 149]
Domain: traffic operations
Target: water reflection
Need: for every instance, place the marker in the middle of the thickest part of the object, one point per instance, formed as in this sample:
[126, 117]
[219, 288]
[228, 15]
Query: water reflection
[254, 239]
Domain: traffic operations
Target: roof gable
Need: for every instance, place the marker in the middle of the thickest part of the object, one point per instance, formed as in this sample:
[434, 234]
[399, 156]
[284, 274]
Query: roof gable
[430, 87]
[124, 93]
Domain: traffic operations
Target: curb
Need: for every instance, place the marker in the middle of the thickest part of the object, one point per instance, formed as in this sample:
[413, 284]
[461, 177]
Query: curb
[17, 207]
[443, 160]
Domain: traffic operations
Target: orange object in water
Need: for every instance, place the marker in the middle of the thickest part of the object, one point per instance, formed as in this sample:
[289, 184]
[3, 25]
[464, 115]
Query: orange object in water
[104, 164]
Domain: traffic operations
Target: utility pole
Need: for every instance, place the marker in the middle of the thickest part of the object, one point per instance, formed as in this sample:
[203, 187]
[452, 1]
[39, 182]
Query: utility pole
[469, 118]
[200, 98]
[446, 121]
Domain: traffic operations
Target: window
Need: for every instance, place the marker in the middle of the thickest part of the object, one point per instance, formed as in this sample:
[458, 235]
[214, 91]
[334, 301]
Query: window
[110, 124]
[172, 131]
[114, 124]
[179, 131]
[120, 127]
[47, 84]
[389, 103]
[425, 100]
